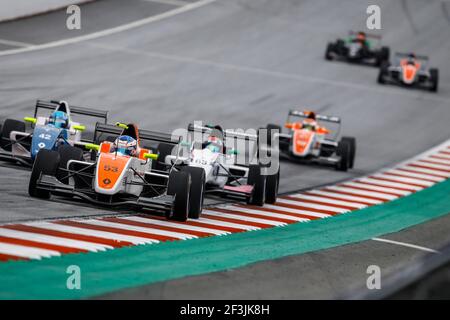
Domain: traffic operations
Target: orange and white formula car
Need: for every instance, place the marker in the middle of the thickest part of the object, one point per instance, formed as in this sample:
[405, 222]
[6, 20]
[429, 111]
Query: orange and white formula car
[121, 173]
[308, 141]
[409, 70]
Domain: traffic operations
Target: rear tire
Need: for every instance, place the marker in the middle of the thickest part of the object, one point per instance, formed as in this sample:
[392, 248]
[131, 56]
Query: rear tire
[383, 56]
[196, 193]
[46, 162]
[328, 51]
[179, 186]
[352, 143]
[383, 72]
[434, 78]
[271, 130]
[258, 181]
[272, 183]
[343, 150]
[67, 153]
[8, 126]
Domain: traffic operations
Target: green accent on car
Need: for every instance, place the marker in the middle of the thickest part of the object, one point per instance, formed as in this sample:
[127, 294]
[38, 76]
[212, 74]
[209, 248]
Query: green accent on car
[151, 156]
[127, 267]
[79, 127]
[91, 146]
[30, 120]
[122, 125]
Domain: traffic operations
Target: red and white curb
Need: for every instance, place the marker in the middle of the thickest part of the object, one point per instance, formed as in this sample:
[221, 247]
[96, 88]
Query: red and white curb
[42, 239]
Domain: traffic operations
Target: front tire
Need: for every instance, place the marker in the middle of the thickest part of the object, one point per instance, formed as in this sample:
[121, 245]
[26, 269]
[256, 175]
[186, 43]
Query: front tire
[8, 126]
[197, 189]
[383, 72]
[352, 143]
[328, 52]
[67, 153]
[383, 56]
[272, 183]
[434, 78]
[343, 151]
[46, 162]
[179, 186]
[258, 181]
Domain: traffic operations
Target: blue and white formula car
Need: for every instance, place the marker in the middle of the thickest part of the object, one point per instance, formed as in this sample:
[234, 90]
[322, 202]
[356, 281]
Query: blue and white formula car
[21, 145]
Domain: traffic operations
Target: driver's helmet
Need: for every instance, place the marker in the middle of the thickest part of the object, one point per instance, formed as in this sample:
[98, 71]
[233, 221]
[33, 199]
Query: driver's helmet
[59, 119]
[126, 145]
[214, 144]
[361, 36]
[309, 124]
[411, 58]
[310, 115]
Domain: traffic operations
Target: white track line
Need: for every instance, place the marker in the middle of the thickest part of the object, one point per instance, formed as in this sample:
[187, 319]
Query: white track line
[95, 233]
[345, 197]
[390, 184]
[265, 213]
[426, 171]
[243, 226]
[298, 211]
[400, 193]
[27, 252]
[423, 183]
[412, 175]
[15, 43]
[330, 201]
[404, 244]
[111, 31]
[312, 206]
[363, 193]
[149, 230]
[38, 237]
[175, 225]
[243, 218]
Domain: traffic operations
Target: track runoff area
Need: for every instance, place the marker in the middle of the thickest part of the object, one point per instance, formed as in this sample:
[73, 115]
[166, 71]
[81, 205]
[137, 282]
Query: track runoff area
[53, 238]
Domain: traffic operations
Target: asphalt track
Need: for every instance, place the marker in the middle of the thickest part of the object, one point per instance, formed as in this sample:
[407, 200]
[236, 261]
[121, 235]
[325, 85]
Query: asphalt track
[243, 64]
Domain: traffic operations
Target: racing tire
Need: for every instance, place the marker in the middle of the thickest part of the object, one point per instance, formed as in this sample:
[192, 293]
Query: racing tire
[328, 51]
[258, 181]
[179, 186]
[8, 126]
[383, 56]
[352, 143]
[272, 183]
[67, 153]
[382, 74]
[164, 149]
[270, 132]
[46, 162]
[196, 192]
[434, 78]
[343, 150]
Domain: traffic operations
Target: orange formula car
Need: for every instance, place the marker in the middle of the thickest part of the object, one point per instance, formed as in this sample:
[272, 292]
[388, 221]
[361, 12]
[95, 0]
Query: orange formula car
[121, 173]
[411, 71]
[308, 141]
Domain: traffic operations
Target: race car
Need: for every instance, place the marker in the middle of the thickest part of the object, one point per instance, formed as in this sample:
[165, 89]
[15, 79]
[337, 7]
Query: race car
[122, 173]
[225, 171]
[21, 145]
[358, 47]
[409, 70]
[308, 141]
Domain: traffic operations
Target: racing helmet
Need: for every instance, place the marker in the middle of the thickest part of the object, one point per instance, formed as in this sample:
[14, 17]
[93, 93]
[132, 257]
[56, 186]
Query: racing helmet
[411, 58]
[126, 145]
[214, 144]
[310, 115]
[59, 119]
[309, 124]
[361, 36]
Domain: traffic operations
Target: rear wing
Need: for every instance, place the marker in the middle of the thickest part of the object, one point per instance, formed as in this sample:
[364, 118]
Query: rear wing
[227, 133]
[301, 114]
[52, 105]
[106, 130]
[406, 55]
